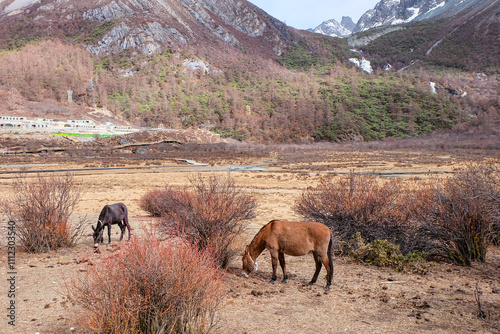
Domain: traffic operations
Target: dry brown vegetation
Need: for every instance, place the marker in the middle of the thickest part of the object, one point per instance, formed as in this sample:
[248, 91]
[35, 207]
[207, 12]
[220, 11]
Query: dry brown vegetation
[451, 218]
[253, 99]
[210, 213]
[363, 298]
[42, 209]
[152, 286]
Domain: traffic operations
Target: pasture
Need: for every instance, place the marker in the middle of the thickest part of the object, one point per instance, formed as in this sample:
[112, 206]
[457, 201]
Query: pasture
[362, 298]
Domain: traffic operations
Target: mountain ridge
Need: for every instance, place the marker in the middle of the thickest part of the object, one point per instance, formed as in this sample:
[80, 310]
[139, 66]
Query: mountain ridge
[397, 34]
[333, 28]
[466, 41]
[151, 25]
[395, 12]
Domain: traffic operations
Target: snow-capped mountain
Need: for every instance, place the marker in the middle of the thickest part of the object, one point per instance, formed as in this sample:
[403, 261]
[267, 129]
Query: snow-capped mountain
[334, 29]
[394, 12]
[456, 33]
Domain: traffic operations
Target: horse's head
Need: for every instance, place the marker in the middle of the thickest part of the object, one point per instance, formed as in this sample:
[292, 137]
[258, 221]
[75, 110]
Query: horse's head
[98, 238]
[249, 264]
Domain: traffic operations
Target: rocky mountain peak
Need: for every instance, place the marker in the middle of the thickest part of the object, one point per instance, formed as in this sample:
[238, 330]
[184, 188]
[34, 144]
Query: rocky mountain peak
[394, 12]
[348, 23]
[334, 29]
[150, 26]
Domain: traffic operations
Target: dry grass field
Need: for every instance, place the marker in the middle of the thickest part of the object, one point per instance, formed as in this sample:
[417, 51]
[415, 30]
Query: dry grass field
[362, 299]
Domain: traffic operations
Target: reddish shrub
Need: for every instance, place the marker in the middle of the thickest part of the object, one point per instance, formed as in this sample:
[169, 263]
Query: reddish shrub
[374, 208]
[454, 218]
[459, 217]
[42, 209]
[151, 286]
[156, 202]
[210, 214]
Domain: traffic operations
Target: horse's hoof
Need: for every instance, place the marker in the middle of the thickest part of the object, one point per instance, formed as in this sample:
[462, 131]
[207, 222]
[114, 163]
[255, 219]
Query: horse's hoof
[272, 281]
[284, 281]
[312, 282]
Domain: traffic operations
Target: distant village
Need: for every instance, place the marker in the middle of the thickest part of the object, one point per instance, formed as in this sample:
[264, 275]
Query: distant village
[69, 126]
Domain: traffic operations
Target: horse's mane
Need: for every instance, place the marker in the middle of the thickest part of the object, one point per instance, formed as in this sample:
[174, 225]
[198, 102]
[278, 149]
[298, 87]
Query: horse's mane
[261, 229]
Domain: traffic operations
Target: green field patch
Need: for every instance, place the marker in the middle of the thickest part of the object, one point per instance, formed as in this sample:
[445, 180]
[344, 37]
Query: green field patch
[82, 134]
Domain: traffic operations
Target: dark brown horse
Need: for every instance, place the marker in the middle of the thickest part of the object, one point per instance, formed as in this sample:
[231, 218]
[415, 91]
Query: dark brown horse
[111, 214]
[291, 238]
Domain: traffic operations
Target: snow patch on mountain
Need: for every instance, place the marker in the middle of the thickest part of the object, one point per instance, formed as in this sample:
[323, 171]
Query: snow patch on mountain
[362, 63]
[394, 12]
[415, 11]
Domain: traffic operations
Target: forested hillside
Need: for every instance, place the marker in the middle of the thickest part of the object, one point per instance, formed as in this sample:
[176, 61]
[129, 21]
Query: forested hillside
[466, 41]
[251, 99]
[231, 68]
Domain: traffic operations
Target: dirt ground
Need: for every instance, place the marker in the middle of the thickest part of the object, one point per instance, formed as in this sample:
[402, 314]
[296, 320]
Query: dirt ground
[362, 299]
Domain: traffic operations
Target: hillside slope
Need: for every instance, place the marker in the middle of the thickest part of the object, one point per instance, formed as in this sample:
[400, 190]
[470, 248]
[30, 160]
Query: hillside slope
[468, 40]
[224, 66]
[151, 26]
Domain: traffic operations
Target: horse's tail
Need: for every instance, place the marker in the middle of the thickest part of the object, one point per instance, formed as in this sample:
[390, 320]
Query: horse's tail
[330, 253]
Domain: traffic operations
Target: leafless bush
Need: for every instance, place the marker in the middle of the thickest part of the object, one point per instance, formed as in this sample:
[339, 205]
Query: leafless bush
[460, 214]
[374, 208]
[42, 208]
[454, 218]
[151, 286]
[156, 202]
[491, 194]
[210, 214]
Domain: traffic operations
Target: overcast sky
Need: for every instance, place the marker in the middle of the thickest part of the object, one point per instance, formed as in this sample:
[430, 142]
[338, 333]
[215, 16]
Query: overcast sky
[305, 14]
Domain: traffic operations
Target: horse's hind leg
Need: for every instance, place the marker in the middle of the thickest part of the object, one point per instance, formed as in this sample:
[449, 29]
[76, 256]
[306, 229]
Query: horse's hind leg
[122, 229]
[328, 262]
[281, 257]
[125, 220]
[318, 268]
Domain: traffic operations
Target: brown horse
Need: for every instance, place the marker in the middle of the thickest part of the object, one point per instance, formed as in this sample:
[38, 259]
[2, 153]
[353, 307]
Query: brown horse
[291, 238]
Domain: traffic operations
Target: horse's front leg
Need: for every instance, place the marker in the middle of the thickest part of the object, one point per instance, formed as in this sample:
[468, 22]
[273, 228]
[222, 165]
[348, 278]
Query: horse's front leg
[281, 257]
[274, 261]
[109, 234]
[318, 268]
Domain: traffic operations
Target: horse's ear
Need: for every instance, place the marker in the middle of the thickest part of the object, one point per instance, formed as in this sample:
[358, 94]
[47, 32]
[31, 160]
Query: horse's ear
[246, 249]
[93, 228]
[98, 225]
